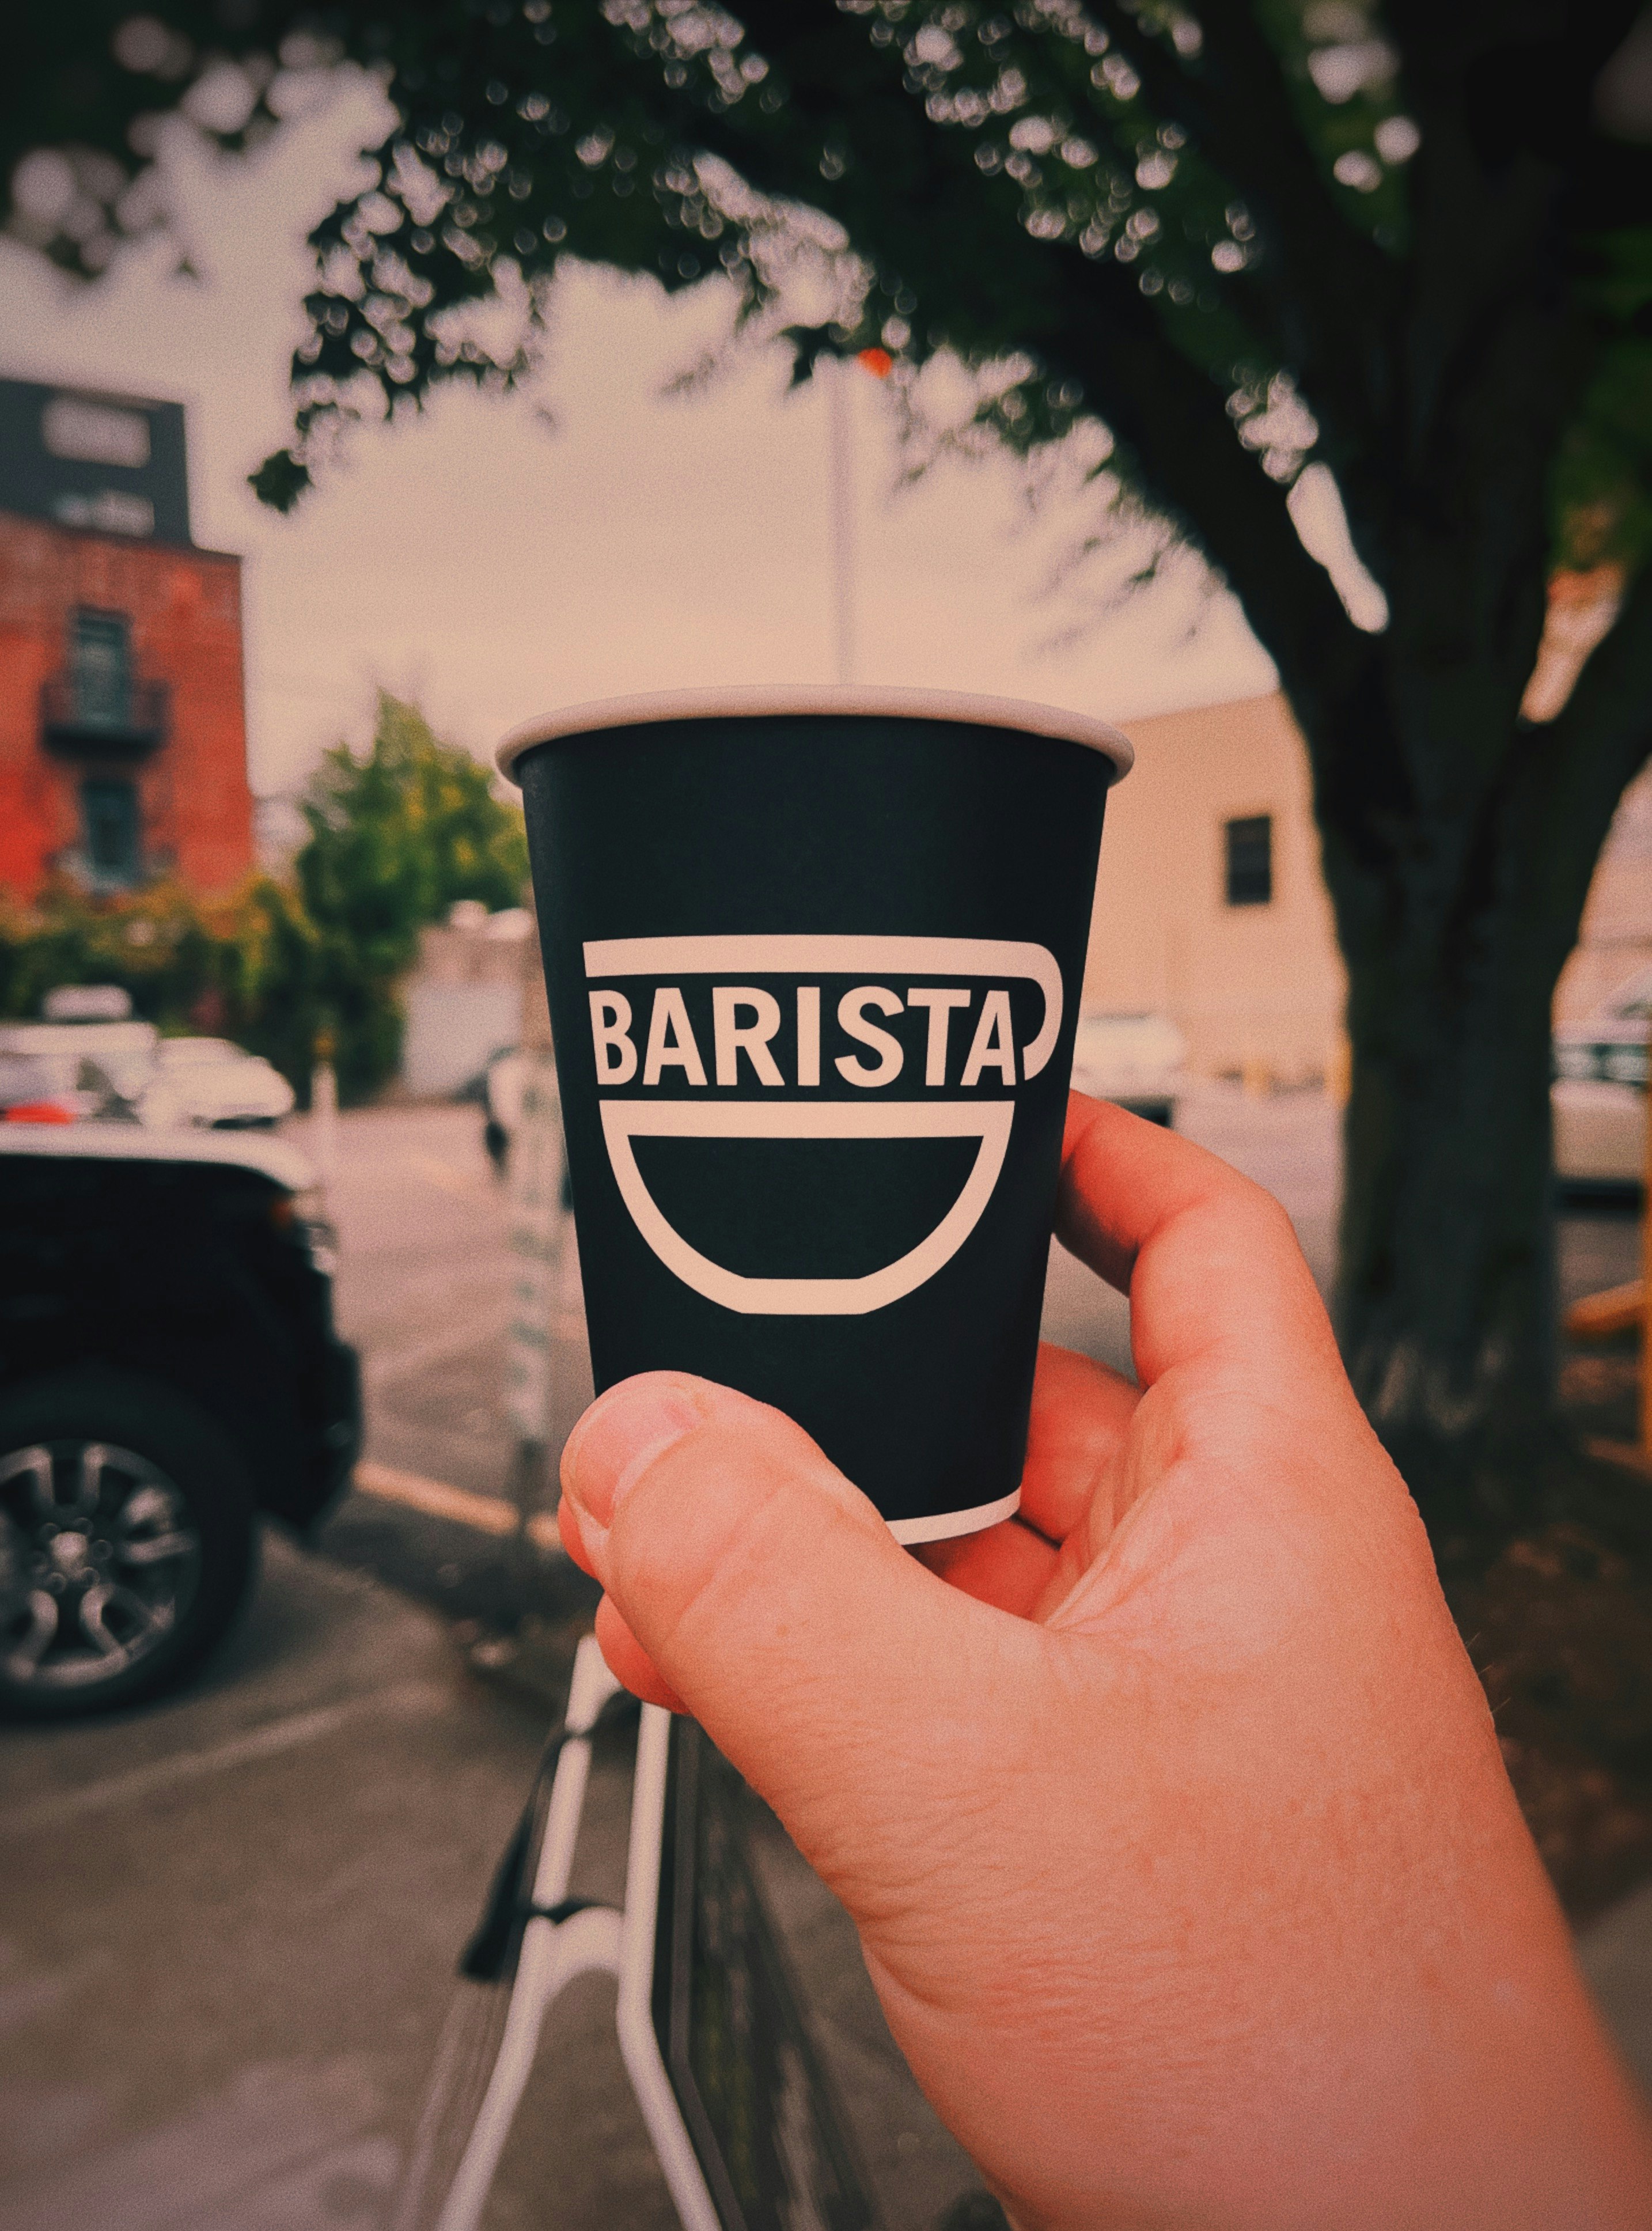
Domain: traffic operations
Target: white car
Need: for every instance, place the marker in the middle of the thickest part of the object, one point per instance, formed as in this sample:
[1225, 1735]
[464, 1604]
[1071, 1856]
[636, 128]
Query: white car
[1135, 1060]
[127, 1071]
[1599, 1095]
[87, 1068]
[211, 1081]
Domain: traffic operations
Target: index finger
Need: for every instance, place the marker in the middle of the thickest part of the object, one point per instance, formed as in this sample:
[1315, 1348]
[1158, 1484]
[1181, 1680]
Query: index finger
[1208, 1259]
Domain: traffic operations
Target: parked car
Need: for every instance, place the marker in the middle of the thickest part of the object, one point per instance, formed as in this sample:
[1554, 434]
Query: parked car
[168, 1370]
[210, 1081]
[1599, 1093]
[31, 1092]
[1135, 1060]
[127, 1069]
[112, 1062]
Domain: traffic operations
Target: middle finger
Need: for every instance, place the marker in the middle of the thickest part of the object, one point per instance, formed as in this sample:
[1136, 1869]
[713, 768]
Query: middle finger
[1080, 1413]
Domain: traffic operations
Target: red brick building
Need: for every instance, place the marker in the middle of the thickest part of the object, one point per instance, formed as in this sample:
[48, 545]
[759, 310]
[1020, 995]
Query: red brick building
[123, 739]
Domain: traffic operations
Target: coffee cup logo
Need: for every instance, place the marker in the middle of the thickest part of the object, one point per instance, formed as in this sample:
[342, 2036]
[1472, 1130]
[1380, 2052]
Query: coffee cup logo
[651, 1068]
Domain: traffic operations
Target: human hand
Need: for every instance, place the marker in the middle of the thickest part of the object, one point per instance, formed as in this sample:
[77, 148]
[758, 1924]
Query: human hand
[1170, 1812]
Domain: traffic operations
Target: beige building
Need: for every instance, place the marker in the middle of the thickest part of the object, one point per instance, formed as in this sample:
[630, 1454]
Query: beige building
[1617, 939]
[1211, 909]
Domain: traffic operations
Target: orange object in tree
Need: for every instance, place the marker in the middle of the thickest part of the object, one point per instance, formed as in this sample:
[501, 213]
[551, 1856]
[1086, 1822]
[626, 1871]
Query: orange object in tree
[38, 1111]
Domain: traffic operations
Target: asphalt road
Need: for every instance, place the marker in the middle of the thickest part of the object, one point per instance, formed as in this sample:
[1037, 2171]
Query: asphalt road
[230, 1923]
[230, 1938]
[231, 1920]
[424, 1289]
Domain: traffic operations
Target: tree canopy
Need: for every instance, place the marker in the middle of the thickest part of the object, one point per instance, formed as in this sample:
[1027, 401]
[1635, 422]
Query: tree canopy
[400, 833]
[397, 836]
[1096, 195]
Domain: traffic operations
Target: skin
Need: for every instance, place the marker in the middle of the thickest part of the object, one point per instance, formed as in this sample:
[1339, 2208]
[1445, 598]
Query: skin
[1170, 1812]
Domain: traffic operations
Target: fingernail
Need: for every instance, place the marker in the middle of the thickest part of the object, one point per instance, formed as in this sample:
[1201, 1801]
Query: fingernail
[617, 1440]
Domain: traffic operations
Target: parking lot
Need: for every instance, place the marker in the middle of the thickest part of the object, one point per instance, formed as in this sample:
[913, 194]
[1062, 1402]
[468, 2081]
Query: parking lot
[232, 1919]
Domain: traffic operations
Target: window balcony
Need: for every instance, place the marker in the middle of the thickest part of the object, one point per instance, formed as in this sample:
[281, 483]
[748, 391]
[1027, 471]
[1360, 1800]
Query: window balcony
[78, 721]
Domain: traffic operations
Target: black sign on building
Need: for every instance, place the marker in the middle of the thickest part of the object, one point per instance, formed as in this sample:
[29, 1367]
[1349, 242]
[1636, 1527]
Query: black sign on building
[112, 462]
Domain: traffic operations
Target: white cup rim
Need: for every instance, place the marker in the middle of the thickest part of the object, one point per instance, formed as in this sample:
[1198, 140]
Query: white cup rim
[785, 700]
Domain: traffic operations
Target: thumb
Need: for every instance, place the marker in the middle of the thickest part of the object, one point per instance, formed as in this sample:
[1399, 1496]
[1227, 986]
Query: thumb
[850, 1687]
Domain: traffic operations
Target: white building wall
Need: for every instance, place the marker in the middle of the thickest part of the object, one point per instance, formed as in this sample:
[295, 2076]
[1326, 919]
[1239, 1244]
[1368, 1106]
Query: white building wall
[464, 1001]
[452, 1029]
[1255, 989]
[1260, 991]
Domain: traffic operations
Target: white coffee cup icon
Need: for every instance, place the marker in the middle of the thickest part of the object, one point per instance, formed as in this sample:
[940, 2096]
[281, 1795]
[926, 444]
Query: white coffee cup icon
[989, 1120]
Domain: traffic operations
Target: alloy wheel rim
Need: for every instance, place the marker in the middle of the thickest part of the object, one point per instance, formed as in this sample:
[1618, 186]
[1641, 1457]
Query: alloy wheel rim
[99, 1562]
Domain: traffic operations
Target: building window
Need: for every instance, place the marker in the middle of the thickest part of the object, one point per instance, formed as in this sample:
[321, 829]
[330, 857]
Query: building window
[1250, 860]
[109, 808]
[100, 669]
[94, 432]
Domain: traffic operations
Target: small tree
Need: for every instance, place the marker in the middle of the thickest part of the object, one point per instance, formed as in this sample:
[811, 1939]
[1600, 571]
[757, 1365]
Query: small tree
[1415, 246]
[396, 838]
[241, 963]
[400, 835]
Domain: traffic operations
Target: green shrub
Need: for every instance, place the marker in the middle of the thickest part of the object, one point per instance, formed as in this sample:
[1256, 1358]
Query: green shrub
[397, 836]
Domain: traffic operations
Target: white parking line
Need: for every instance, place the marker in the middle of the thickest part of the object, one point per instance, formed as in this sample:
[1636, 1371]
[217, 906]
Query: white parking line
[487, 1514]
[405, 1362]
[467, 1184]
[267, 1741]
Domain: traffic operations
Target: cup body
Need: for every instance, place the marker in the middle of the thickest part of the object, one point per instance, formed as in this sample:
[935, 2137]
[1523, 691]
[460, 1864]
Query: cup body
[814, 968]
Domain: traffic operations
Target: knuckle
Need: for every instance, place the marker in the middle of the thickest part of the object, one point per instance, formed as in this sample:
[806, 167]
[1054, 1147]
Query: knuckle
[696, 1520]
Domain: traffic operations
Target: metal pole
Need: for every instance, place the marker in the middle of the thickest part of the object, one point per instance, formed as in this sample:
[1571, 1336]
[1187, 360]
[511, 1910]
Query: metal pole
[536, 1217]
[840, 372]
[535, 1177]
[323, 1109]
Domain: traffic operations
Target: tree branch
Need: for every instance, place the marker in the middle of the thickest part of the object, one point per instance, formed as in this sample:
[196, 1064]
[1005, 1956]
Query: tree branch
[1087, 318]
[1329, 289]
[1503, 93]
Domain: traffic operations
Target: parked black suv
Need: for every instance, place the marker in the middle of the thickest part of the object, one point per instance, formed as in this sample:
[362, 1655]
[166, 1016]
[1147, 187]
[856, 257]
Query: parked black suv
[168, 1369]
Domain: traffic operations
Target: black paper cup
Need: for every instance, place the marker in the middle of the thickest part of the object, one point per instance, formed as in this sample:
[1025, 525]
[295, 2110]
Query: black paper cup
[814, 960]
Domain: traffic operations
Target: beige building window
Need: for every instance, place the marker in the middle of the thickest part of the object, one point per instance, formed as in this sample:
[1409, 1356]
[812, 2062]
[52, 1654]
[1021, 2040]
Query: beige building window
[1249, 860]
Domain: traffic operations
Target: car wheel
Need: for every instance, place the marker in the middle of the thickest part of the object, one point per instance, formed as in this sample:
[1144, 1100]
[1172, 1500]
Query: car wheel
[128, 1543]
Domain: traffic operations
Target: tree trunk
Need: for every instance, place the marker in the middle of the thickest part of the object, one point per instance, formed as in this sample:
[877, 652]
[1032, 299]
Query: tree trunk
[1454, 928]
[1446, 1293]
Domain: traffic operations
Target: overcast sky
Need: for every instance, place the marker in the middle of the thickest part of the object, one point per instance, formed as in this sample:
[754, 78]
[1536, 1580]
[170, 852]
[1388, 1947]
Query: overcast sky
[498, 557]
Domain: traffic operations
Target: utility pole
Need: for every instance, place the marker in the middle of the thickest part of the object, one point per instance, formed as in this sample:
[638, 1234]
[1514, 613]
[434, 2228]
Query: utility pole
[324, 1107]
[840, 405]
[838, 373]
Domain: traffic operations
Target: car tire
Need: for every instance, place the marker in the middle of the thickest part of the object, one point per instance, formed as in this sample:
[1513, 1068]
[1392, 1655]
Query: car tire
[128, 1543]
